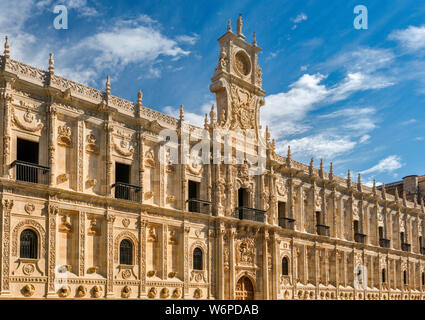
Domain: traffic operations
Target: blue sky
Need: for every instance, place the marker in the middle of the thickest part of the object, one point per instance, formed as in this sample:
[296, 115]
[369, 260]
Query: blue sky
[354, 97]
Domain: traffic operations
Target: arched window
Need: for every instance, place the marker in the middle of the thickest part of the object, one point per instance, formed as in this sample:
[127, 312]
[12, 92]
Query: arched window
[383, 276]
[126, 252]
[285, 266]
[29, 244]
[405, 277]
[197, 259]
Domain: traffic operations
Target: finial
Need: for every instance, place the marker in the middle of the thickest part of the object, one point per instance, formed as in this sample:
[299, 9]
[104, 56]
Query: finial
[273, 145]
[310, 168]
[404, 197]
[239, 25]
[6, 48]
[206, 121]
[349, 179]
[108, 85]
[383, 192]
[331, 171]
[213, 116]
[415, 201]
[396, 194]
[321, 164]
[374, 186]
[181, 113]
[51, 64]
[311, 162]
[289, 152]
[254, 40]
[359, 179]
[139, 97]
[229, 26]
[267, 135]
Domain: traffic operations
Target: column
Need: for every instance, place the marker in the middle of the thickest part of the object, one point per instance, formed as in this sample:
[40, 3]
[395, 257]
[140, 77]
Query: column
[275, 263]
[108, 157]
[110, 218]
[7, 103]
[53, 211]
[164, 252]
[141, 144]
[52, 115]
[7, 206]
[81, 243]
[186, 261]
[220, 260]
[265, 267]
[142, 255]
[232, 284]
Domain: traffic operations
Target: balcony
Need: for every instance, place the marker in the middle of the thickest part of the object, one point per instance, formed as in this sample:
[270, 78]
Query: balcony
[405, 247]
[245, 213]
[287, 223]
[30, 172]
[322, 230]
[360, 238]
[199, 206]
[384, 243]
[127, 191]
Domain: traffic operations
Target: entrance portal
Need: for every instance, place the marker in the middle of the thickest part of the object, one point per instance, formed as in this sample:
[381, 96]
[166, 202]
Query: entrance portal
[244, 289]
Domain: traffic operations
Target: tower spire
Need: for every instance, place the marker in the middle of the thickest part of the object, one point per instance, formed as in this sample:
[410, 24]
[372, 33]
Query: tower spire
[181, 113]
[331, 171]
[6, 48]
[229, 26]
[254, 40]
[139, 97]
[239, 26]
[51, 63]
[108, 85]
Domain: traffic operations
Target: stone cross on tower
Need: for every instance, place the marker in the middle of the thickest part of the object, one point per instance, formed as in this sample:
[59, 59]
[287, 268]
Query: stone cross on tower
[237, 82]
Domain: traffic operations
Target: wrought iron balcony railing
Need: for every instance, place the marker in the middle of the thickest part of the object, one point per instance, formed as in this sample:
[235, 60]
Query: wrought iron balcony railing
[245, 213]
[127, 191]
[360, 237]
[384, 243]
[199, 206]
[287, 223]
[405, 247]
[322, 230]
[30, 172]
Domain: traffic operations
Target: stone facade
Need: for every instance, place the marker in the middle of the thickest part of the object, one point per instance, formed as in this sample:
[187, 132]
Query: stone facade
[300, 233]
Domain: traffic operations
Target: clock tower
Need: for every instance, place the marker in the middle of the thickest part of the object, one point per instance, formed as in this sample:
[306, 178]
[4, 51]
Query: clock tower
[237, 81]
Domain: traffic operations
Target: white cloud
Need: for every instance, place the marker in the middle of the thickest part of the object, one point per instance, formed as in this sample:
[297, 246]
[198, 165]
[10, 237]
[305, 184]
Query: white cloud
[412, 38]
[321, 145]
[364, 138]
[299, 18]
[388, 164]
[188, 39]
[193, 118]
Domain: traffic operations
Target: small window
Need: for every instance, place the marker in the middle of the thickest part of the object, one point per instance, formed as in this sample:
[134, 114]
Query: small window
[126, 252]
[383, 276]
[28, 244]
[285, 266]
[405, 277]
[381, 232]
[197, 259]
[281, 208]
[318, 218]
[356, 226]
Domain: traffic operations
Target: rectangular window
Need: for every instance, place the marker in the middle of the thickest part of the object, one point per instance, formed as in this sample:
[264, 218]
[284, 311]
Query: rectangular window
[318, 218]
[194, 193]
[243, 198]
[281, 208]
[381, 233]
[122, 181]
[356, 226]
[401, 237]
[122, 173]
[27, 159]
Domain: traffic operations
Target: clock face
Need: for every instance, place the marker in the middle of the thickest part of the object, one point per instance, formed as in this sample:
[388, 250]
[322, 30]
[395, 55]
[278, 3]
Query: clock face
[242, 63]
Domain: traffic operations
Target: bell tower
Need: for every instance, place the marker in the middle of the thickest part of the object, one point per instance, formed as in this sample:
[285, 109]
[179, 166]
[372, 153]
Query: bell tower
[237, 81]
